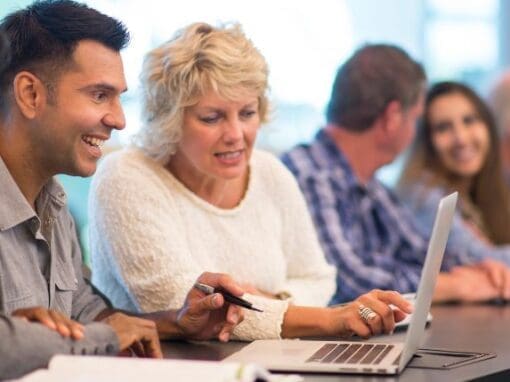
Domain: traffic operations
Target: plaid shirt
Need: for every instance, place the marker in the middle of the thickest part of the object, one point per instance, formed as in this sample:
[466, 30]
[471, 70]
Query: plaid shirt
[364, 230]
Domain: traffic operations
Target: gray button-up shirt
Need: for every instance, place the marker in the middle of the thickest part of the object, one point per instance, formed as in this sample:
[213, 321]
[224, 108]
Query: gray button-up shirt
[41, 265]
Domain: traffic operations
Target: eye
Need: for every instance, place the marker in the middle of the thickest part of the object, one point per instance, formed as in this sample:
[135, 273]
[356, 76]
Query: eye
[99, 96]
[210, 119]
[247, 114]
[470, 119]
[441, 127]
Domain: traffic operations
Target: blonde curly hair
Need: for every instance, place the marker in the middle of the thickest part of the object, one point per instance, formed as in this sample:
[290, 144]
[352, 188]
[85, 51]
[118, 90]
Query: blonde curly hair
[199, 58]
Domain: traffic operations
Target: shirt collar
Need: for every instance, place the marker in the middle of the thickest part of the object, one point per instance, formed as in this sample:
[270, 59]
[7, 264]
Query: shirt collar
[337, 161]
[14, 208]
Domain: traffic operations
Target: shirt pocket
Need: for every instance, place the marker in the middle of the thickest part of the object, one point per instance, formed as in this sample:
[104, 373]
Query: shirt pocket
[24, 299]
[66, 285]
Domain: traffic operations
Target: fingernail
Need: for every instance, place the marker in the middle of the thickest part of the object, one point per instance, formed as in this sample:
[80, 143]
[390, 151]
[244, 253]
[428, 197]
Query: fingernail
[391, 332]
[224, 337]
[234, 317]
[216, 300]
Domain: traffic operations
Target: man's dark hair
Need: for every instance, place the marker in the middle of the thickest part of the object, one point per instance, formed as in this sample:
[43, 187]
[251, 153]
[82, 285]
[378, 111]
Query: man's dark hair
[368, 81]
[5, 52]
[44, 35]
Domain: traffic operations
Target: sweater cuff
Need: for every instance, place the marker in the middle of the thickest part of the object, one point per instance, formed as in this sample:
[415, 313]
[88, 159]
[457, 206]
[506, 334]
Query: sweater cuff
[261, 325]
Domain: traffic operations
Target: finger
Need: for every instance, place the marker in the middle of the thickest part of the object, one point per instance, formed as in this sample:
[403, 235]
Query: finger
[206, 304]
[61, 323]
[235, 314]
[506, 285]
[77, 331]
[223, 281]
[152, 347]
[66, 326]
[138, 349]
[399, 315]
[359, 327]
[126, 353]
[396, 299]
[42, 316]
[384, 318]
[494, 273]
[225, 333]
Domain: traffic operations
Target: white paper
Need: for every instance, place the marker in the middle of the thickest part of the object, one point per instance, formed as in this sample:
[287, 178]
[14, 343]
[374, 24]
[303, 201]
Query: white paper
[64, 368]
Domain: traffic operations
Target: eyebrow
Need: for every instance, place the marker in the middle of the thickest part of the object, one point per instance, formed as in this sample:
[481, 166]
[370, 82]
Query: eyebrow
[105, 87]
[215, 108]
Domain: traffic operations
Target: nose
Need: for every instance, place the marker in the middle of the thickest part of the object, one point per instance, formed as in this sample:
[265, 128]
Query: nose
[115, 118]
[233, 130]
[459, 133]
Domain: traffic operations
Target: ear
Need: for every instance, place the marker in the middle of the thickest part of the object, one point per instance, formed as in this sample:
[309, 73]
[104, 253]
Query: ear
[392, 118]
[29, 93]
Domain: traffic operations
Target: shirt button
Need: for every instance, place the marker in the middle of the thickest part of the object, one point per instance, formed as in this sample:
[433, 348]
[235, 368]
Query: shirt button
[109, 349]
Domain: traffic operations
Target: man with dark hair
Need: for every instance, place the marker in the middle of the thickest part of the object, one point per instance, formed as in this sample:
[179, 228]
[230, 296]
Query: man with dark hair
[373, 240]
[60, 100]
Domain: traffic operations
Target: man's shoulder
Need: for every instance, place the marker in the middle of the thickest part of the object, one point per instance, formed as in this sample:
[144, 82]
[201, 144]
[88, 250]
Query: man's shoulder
[310, 160]
[390, 201]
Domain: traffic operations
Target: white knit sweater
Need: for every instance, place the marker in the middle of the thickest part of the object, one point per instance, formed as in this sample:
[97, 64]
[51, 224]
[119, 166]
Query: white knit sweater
[151, 238]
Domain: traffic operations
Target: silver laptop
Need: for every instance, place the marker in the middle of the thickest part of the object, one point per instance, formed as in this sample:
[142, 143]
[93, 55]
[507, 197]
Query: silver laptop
[361, 357]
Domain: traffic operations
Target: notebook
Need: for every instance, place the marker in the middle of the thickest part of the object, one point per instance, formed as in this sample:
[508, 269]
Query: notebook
[361, 357]
[65, 368]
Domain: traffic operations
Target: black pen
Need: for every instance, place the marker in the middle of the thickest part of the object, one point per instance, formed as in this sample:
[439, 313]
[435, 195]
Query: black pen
[207, 289]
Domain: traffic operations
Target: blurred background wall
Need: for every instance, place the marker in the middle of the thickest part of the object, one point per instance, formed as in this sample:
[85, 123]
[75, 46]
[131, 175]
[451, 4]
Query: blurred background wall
[304, 42]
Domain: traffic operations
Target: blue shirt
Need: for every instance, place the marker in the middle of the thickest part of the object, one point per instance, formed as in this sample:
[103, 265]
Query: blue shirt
[364, 230]
[422, 200]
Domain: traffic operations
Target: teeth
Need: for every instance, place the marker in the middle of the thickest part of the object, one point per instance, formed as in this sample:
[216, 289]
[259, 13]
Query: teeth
[464, 155]
[94, 141]
[230, 155]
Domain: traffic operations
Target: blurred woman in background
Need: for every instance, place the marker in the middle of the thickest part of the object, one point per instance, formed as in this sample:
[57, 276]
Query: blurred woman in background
[456, 149]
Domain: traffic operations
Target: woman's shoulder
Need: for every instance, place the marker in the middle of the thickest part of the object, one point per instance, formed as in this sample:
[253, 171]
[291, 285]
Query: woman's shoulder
[130, 168]
[126, 160]
[421, 193]
[273, 177]
[269, 165]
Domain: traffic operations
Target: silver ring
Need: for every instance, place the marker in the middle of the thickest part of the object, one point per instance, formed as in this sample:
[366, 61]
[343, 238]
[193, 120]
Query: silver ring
[366, 313]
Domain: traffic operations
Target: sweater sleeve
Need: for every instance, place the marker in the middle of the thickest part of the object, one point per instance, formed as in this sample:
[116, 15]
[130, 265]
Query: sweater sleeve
[310, 279]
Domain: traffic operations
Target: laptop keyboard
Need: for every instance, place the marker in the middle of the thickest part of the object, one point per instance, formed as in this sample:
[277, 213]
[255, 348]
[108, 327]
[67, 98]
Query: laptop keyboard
[353, 353]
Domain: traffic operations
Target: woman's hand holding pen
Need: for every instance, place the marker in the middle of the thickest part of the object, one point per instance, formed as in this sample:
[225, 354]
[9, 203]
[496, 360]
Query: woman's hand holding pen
[206, 316]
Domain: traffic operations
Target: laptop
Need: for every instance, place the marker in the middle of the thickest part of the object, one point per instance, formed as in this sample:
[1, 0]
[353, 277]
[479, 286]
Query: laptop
[361, 357]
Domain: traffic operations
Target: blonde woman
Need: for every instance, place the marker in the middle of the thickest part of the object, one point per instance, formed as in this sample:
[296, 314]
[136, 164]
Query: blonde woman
[194, 194]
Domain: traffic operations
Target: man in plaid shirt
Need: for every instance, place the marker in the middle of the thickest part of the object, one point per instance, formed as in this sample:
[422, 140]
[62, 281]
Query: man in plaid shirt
[376, 100]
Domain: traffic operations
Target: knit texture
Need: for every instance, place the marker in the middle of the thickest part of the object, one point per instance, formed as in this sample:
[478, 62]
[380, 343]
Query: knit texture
[151, 237]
